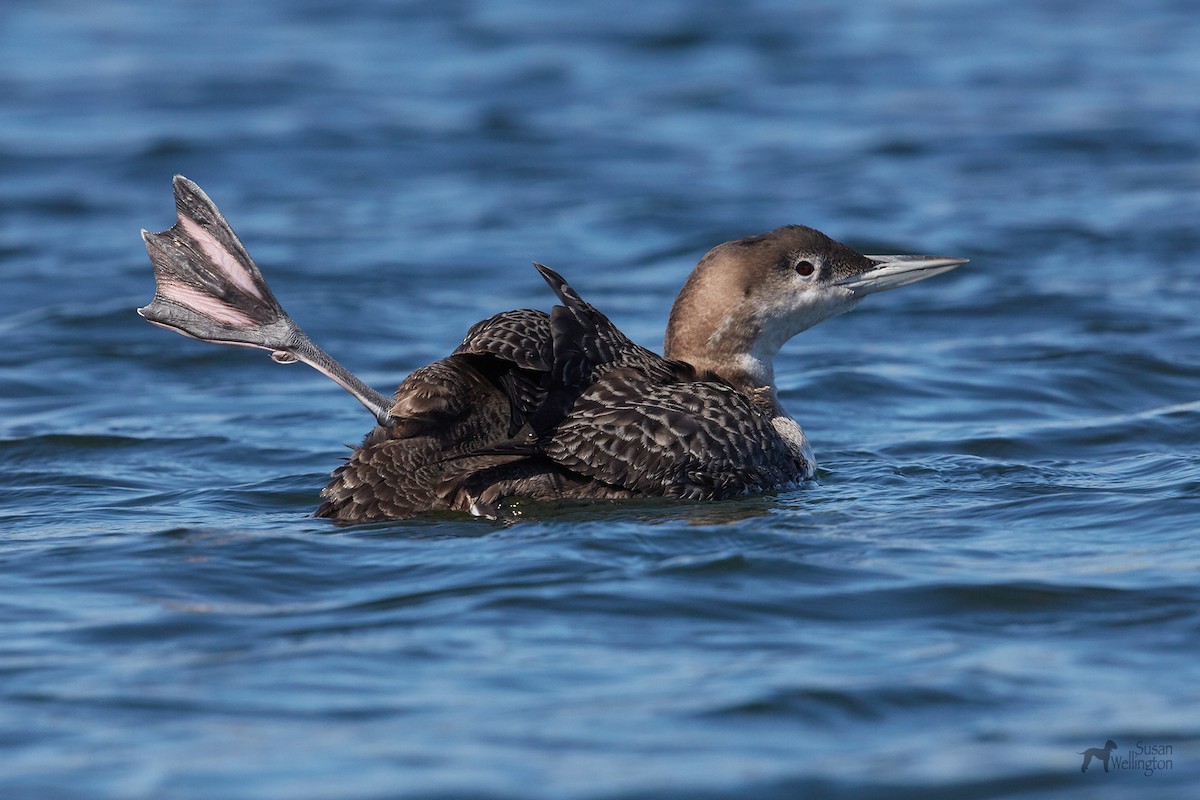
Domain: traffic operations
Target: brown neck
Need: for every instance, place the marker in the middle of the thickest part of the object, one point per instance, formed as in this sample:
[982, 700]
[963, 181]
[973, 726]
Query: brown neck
[717, 324]
[718, 348]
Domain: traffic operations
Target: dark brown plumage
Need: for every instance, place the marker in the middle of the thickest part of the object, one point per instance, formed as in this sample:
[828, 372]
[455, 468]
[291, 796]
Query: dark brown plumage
[557, 405]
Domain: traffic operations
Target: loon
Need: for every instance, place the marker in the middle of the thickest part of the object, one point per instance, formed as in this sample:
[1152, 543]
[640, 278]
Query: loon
[560, 405]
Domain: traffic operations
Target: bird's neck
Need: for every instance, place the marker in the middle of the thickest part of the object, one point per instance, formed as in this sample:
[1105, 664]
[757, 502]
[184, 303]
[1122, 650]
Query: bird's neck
[717, 327]
[742, 361]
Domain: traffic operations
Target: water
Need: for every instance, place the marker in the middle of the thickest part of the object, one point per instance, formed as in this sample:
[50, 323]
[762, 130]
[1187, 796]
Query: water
[997, 569]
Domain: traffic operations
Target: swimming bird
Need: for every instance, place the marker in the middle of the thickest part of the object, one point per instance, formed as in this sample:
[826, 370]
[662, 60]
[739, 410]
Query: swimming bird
[555, 405]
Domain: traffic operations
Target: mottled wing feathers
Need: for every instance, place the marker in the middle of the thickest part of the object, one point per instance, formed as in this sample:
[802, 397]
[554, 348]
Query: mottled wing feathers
[697, 439]
[436, 397]
[625, 416]
[622, 415]
[447, 414]
[585, 341]
[514, 349]
[521, 337]
[557, 405]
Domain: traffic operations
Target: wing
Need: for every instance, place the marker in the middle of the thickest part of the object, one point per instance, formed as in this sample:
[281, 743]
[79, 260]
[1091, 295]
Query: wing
[443, 414]
[612, 411]
[693, 439]
[521, 337]
[585, 342]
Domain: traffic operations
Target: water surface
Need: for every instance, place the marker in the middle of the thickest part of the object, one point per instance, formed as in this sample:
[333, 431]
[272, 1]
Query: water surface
[996, 570]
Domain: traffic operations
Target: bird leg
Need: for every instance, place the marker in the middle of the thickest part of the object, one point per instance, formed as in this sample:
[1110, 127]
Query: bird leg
[208, 288]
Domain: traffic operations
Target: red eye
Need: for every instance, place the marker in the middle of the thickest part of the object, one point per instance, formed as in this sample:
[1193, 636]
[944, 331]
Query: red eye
[805, 268]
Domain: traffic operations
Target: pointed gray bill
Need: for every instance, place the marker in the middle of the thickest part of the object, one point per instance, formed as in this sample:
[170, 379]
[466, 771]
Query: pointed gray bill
[892, 272]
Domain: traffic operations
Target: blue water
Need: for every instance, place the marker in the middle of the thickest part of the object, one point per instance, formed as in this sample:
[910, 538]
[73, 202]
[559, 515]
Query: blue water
[998, 568]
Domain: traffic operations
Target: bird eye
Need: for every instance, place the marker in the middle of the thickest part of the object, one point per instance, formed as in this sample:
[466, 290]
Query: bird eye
[805, 268]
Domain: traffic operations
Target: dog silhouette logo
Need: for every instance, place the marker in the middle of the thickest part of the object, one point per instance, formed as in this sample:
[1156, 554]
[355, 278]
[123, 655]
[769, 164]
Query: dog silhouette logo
[1101, 753]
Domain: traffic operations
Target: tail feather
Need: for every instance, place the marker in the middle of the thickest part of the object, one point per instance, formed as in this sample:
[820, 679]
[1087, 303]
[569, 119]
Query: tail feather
[583, 337]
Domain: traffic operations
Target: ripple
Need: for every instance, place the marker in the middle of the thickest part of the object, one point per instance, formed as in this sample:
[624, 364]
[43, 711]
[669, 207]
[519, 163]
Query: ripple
[995, 569]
